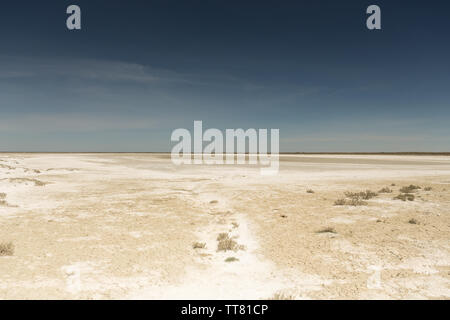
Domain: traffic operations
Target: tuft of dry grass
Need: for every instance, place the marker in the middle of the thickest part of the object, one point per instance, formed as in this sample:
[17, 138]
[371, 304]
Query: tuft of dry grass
[231, 259]
[405, 196]
[326, 230]
[413, 221]
[199, 245]
[410, 188]
[222, 236]
[385, 190]
[309, 191]
[39, 183]
[340, 202]
[235, 224]
[356, 202]
[6, 249]
[428, 188]
[225, 243]
[3, 202]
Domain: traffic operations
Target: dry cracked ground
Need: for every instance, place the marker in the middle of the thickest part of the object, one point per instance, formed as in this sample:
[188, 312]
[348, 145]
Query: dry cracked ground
[134, 226]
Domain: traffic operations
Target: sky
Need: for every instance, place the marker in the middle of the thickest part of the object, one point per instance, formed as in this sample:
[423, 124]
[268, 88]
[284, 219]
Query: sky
[137, 70]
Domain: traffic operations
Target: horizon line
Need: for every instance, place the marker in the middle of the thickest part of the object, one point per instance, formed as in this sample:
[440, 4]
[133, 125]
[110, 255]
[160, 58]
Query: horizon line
[446, 153]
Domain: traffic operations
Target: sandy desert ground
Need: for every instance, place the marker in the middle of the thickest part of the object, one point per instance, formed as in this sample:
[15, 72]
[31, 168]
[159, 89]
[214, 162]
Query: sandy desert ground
[134, 226]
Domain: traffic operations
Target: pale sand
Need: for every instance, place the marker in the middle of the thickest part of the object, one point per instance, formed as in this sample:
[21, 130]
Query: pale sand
[122, 226]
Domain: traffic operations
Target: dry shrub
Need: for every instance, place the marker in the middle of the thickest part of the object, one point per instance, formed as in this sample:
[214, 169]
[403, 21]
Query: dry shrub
[356, 198]
[6, 249]
[199, 245]
[404, 197]
[36, 182]
[309, 191]
[340, 202]
[326, 230]
[413, 221]
[226, 243]
[428, 189]
[385, 190]
[409, 189]
[356, 202]
[222, 236]
[365, 195]
[39, 183]
[231, 259]
[350, 202]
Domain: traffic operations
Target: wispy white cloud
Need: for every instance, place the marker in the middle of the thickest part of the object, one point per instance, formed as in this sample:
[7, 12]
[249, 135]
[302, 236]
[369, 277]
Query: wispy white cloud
[112, 71]
[88, 69]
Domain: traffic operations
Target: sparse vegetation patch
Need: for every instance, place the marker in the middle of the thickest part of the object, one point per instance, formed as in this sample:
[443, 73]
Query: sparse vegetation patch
[36, 182]
[385, 190]
[356, 198]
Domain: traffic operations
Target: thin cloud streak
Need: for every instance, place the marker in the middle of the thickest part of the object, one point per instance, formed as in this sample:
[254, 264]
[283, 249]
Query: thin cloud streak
[73, 122]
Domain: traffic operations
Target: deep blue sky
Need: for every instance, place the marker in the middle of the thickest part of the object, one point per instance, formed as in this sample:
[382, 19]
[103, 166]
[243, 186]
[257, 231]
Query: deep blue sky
[139, 69]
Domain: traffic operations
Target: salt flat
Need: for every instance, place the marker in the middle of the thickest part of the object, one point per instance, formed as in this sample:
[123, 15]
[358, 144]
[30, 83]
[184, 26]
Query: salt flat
[122, 226]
